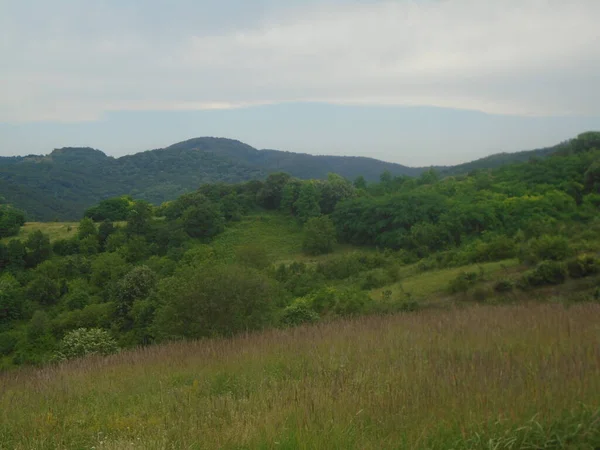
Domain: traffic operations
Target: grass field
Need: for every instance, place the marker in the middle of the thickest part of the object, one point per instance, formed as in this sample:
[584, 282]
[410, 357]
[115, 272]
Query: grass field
[482, 377]
[56, 230]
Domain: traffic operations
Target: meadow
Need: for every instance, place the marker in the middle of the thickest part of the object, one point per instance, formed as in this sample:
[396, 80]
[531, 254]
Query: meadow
[482, 377]
[54, 230]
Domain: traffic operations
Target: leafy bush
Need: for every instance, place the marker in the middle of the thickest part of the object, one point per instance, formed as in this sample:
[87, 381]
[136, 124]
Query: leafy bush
[297, 313]
[546, 273]
[214, 300]
[319, 236]
[462, 282]
[8, 342]
[376, 278]
[346, 265]
[84, 342]
[343, 302]
[546, 247]
[583, 266]
[502, 286]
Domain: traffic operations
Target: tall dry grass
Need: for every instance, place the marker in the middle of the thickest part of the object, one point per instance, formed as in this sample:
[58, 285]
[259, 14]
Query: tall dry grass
[480, 377]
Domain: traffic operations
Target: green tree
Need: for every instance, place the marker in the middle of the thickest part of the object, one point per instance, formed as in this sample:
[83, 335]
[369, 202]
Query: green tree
[270, 195]
[334, 190]
[105, 229]
[86, 228]
[38, 248]
[203, 220]
[307, 205]
[214, 300]
[11, 299]
[139, 218]
[360, 183]
[11, 220]
[289, 196]
[137, 284]
[319, 236]
[43, 290]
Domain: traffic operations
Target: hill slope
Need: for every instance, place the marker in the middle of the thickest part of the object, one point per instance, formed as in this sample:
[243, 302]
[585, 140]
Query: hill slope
[61, 185]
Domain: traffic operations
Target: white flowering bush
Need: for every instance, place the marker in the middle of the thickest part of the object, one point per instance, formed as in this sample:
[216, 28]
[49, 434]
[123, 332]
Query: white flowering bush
[86, 341]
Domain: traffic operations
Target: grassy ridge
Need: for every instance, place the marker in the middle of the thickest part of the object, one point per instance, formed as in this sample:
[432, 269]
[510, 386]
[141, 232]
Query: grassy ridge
[481, 377]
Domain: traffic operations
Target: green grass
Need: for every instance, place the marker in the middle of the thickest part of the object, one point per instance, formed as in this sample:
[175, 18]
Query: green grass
[280, 235]
[55, 230]
[423, 285]
[483, 377]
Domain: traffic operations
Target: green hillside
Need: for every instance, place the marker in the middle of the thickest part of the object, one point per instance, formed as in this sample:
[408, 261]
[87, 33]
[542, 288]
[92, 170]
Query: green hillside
[61, 185]
[414, 312]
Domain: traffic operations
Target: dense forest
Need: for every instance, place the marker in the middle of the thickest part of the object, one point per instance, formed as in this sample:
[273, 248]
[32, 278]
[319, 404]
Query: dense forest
[136, 274]
[61, 185]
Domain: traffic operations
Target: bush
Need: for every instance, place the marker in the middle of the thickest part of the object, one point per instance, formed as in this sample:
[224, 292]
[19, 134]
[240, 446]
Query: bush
[583, 266]
[343, 302]
[84, 342]
[463, 282]
[376, 278]
[503, 286]
[343, 266]
[319, 236]
[214, 300]
[546, 273]
[297, 313]
[8, 342]
[546, 248]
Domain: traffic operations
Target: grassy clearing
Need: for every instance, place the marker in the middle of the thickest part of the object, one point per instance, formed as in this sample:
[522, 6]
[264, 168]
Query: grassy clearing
[55, 230]
[275, 232]
[421, 285]
[484, 377]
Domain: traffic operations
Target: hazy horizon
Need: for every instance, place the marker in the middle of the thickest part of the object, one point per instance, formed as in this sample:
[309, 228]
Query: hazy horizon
[418, 82]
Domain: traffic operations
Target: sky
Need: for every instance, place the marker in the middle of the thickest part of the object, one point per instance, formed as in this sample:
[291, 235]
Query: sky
[417, 82]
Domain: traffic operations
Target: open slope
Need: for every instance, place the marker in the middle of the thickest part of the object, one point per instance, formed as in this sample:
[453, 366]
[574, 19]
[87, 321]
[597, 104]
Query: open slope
[476, 378]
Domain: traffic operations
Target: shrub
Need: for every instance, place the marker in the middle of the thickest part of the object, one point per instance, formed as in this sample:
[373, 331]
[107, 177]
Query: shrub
[502, 286]
[546, 247]
[8, 342]
[583, 266]
[376, 278]
[319, 236]
[462, 282]
[84, 341]
[214, 300]
[546, 273]
[480, 293]
[343, 302]
[297, 313]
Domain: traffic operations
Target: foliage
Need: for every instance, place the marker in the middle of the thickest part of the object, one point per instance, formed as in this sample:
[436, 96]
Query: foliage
[546, 273]
[319, 236]
[11, 221]
[84, 342]
[298, 313]
[214, 300]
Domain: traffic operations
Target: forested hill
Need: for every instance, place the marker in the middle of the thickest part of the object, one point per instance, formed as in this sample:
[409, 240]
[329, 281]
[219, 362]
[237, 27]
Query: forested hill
[61, 185]
[64, 183]
[502, 159]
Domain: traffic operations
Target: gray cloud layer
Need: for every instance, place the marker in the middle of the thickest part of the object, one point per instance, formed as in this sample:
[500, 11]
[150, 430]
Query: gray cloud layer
[69, 60]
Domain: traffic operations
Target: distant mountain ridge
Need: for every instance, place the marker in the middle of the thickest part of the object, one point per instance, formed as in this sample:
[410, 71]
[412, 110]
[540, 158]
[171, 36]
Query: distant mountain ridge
[61, 185]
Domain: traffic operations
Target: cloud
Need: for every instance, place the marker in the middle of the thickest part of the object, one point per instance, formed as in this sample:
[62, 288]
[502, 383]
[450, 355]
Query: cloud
[74, 61]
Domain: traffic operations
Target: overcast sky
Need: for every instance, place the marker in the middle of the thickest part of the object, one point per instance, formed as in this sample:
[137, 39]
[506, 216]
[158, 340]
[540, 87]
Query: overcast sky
[417, 82]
